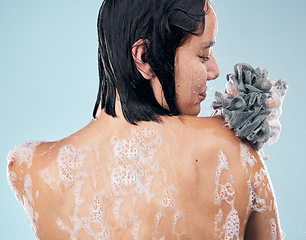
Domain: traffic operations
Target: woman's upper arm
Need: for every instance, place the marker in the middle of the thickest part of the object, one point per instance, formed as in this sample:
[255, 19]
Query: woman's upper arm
[21, 174]
[37, 192]
[19, 169]
[263, 222]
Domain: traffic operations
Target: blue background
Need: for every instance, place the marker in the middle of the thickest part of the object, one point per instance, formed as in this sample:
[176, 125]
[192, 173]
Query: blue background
[49, 81]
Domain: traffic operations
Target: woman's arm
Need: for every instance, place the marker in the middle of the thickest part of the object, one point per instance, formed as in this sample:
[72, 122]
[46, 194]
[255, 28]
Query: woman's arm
[20, 176]
[36, 191]
[263, 222]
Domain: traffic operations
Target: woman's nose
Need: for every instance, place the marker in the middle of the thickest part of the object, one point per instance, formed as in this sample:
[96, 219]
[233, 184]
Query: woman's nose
[213, 70]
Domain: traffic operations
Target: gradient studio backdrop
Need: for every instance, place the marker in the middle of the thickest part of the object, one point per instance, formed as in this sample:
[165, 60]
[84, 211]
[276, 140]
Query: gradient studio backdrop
[49, 81]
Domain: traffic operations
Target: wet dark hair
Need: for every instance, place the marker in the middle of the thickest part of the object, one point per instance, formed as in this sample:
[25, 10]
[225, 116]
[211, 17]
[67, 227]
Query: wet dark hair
[163, 25]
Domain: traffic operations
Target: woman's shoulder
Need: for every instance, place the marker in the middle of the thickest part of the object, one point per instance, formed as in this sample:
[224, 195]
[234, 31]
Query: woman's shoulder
[205, 132]
[216, 124]
[32, 174]
[210, 138]
[22, 155]
[27, 155]
[26, 163]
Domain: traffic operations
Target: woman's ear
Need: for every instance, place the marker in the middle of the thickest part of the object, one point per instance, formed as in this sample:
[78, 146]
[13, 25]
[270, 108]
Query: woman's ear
[139, 53]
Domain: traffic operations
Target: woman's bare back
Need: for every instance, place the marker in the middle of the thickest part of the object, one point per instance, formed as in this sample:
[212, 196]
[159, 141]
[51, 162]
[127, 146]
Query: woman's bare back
[185, 178]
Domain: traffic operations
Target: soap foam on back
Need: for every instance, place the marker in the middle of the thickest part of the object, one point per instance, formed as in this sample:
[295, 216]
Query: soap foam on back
[24, 153]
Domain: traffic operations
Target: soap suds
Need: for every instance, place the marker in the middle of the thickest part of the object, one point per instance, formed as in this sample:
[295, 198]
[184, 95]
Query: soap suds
[225, 192]
[246, 157]
[260, 193]
[277, 96]
[11, 176]
[167, 201]
[28, 203]
[130, 174]
[68, 160]
[23, 153]
[232, 225]
[273, 229]
[47, 178]
[28, 188]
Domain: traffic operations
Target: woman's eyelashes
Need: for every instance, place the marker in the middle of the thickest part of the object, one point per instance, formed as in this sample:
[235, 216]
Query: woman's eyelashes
[205, 58]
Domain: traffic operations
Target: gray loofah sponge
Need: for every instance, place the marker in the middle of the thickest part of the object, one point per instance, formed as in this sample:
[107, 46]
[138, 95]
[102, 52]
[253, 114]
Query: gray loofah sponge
[245, 105]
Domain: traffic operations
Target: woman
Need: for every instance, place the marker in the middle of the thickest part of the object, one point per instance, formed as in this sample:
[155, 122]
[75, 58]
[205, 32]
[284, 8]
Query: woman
[146, 167]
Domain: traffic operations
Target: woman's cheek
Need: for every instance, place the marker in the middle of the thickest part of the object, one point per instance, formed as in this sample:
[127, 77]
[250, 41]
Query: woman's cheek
[199, 79]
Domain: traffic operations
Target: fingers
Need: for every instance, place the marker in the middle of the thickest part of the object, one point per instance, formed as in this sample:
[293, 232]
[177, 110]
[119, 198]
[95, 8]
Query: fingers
[272, 82]
[232, 93]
